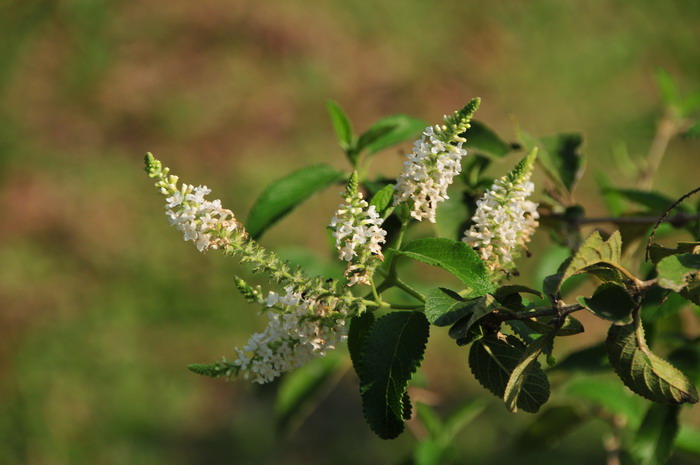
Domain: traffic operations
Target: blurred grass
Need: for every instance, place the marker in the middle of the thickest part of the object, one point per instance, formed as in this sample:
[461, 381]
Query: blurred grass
[102, 305]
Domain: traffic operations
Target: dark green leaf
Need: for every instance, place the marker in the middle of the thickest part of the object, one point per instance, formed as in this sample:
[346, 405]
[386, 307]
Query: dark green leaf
[653, 443]
[492, 360]
[443, 306]
[559, 156]
[341, 125]
[503, 292]
[389, 131]
[654, 201]
[283, 195]
[610, 301]
[382, 199]
[677, 271]
[657, 251]
[522, 370]
[570, 327]
[392, 352]
[550, 426]
[357, 333]
[482, 139]
[456, 257]
[303, 388]
[478, 309]
[644, 372]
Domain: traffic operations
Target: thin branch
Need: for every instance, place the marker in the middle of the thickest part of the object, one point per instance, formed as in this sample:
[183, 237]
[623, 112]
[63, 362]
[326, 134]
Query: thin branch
[664, 216]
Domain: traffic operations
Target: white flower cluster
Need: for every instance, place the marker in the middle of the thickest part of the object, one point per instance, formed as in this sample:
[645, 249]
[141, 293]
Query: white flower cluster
[204, 222]
[358, 237]
[504, 219]
[428, 172]
[300, 329]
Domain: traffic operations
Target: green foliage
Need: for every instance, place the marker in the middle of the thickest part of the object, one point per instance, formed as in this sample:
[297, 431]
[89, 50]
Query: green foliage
[610, 301]
[526, 365]
[644, 372]
[482, 139]
[444, 307]
[456, 257]
[493, 359]
[550, 426]
[464, 330]
[382, 199]
[283, 195]
[392, 352]
[676, 272]
[559, 156]
[360, 326]
[389, 131]
[341, 125]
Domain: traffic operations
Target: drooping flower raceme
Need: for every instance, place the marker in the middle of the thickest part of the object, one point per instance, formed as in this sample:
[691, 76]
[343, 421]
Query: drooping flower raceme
[358, 235]
[433, 164]
[300, 329]
[204, 222]
[504, 218]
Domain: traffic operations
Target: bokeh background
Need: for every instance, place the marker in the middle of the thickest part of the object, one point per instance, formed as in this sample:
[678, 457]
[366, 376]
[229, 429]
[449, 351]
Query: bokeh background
[102, 305]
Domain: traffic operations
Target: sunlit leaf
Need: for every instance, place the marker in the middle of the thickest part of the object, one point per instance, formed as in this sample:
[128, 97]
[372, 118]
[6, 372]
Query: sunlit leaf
[283, 195]
[382, 199]
[676, 271]
[644, 372]
[341, 124]
[456, 257]
[483, 139]
[389, 131]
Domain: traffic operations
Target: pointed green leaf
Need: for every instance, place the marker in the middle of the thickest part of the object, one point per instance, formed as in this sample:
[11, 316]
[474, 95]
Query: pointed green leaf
[430, 419]
[456, 257]
[382, 199]
[357, 333]
[610, 301]
[595, 256]
[302, 389]
[559, 156]
[677, 271]
[483, 139]
[657, 251]
[341, 124]
[444, 306]
[644, 372]
[653, 201]
[283, 195]
[389, 131]
[522, 370]
[392, 352]
[653, 443]
[461, 417]
[492, 361]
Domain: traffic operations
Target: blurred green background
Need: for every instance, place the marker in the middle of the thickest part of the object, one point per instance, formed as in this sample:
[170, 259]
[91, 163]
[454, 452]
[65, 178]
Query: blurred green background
[102, 305]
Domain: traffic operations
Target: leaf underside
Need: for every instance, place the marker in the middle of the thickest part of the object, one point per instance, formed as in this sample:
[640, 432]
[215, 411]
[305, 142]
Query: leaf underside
[644, 372]
[492, 361]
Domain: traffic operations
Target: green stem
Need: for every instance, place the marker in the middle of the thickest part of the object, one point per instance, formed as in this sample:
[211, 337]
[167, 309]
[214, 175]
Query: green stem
[398, 282]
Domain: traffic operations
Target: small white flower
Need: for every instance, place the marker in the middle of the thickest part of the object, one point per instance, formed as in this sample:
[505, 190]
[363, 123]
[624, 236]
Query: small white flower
[358, 235]
[504, 218]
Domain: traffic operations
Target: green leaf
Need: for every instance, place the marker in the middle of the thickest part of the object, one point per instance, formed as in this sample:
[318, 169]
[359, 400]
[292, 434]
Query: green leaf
[382, 199]
[389, 131]
[677, 271]
[456, 257]
[559, 156]
[610, 301]
[357, 334]
[461, 417]
[570, 327]
[609, 394]
[392, 352]
[483, 139]
[595, 256]
[301, 390]
[283, 195]
[462, 331]
[657, 251]
[522, 371]
[668, 87]
[444, 306]
[341, 125]
[644, 372]
[654, 201]
[653, 443]
[430, 420]
[550, 426]
[492, 361]
[502, 293]
[613, 202]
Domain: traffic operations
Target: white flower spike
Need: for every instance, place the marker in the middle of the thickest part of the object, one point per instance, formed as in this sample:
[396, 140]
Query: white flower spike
[504, 218]
[433, 164]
